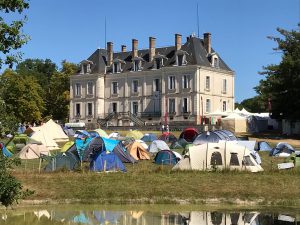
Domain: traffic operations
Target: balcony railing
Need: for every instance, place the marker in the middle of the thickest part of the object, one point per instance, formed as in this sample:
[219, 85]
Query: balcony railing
[149, 114]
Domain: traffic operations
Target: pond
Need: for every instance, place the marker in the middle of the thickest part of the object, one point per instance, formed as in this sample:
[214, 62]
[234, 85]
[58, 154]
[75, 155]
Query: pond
[147, 215]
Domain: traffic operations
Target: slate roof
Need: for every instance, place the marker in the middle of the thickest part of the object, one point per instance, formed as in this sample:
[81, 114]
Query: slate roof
[197, 55]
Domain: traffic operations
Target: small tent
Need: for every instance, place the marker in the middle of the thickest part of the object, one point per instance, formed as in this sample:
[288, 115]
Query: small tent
[165, 157]
[179, 144]
[5, 151]
[189, 134]
[282, 149]
[66, 160]
[94, 147]
[143, 144]
[157, 146]
[67, 145]
[257, 124]
[33, 151]
[168, 137]
[137, 151]
[101, 133]
[136, 134]
[19, 141]
[235, 123]
[123, 154]
[149, 137]
[114, 135]
[263, 146]
[107, 161]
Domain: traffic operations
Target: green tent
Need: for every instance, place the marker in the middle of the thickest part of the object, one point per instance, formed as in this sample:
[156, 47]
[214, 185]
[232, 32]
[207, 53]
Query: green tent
[19, 141]
[137, 135]
[67, 146]
[101, 133]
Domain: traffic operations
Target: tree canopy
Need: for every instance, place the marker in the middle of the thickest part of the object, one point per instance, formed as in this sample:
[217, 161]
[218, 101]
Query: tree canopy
[11, 36]
[281, 85]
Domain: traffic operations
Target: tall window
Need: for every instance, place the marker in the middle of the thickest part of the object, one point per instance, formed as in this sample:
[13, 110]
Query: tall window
[135, 85]
[114, 87]
[116, 67]
[172, 105]
[90, 109]
[216, 62]
[207, 83]
[136, 65]
[180, 59]
[171, 82]
[135, 108]
[158, 63]
[90, 88]
[185, 105]
[185, 81]
[224, 86]
[77, 109]
[224, 106]
[77, 89]
[157, 85]
[208, 105]
[114, 107]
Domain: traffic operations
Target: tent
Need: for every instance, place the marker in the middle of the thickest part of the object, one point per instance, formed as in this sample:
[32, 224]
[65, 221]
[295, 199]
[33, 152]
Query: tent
[257, 124]
[183, 164]
[55, 131]
[149, 137]
[189, 134]
[157, 146]
[235, 123]
[5, 151]
[263, 146]
[16, 143]
[137, 151]
[107, 161]
[222, 155]
[168, 137]
[245, 112]
[165, 157]
[66, 146]
[33, 151]
[69, 131]
[110, 144]
[136, 134]
[123, 154]
[66, 160]
[143, 144]
[282, 149]
[94, 147]
[214, 136]
[179, 144]
[101, 133]
[114, 135]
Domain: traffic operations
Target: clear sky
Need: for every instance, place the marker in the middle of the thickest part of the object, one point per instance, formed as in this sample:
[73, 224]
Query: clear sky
[73, 29]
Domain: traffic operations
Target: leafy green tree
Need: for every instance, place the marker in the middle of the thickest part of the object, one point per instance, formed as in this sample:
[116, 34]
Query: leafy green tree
[23, 96]
[255, 105]
[9, 123]
[11, 36]
[282, 81]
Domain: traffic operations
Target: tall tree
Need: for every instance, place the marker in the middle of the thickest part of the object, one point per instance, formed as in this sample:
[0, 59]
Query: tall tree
[23, 96]
[255, 105]
[282, 84]
[11, 36]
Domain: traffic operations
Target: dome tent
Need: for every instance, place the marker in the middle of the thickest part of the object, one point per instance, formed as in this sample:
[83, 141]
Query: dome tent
[214, 136]
[168, 137]
[157, 146]
[136, 134]
[107, 161]
[123, 154]
[282, 149]
[189, 134]
[165, 157]
[149, 137]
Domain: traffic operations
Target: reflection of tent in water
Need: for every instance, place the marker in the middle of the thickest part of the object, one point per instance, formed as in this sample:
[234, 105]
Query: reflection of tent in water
[81, 218]
[136, 214]
[42, 213]
[107, 217]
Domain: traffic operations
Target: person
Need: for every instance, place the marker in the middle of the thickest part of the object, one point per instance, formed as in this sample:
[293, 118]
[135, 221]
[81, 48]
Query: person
[162, 128]
[167, 127]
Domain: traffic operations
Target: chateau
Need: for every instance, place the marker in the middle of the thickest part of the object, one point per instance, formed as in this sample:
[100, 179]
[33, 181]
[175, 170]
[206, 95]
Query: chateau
[179, 84]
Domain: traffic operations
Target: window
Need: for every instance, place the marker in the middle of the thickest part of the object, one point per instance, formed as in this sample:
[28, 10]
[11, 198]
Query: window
[114, 87]
[90, 109]
[158, 63]
[172, 105]
[216, 159]
[114, 107]
[180, 59]
[224, 106]
[184, 105]
[171, 82]
[136, 65]
[77, 89]
[90, 88]
[185, 81]
[135, 86]
[216, 62]
[224, 90]
[234, 161]
[135, 108]
[116, 67]
[207, 83]
[77, 109]
[207, 105]
[157, 85]
[247, 161]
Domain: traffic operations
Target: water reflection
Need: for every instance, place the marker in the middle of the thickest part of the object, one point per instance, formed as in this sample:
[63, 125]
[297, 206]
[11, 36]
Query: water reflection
[51, 217]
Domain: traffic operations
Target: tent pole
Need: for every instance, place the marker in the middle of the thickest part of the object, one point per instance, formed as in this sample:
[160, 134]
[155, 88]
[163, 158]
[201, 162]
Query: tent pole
[40, 164]
[225, 154]
[206, 155]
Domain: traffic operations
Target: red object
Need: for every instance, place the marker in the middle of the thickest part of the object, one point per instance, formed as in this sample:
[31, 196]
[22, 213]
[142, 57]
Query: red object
[189, 134]
[168, 137]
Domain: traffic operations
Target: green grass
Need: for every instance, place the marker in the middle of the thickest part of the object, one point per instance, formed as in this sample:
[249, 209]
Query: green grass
[147, 182]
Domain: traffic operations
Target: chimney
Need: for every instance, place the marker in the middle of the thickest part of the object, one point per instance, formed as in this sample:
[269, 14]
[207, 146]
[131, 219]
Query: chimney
[177, 42]
[123, 48]
[109, 53]
[207, 42]
[134, 48]
[151, 48]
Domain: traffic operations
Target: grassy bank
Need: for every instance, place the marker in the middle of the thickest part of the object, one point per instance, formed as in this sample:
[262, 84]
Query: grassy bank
[146, 182]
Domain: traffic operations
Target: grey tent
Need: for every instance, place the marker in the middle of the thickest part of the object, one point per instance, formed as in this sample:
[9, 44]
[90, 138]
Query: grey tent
[66, 160]
[180, 143]
[282, 149]
[123, 154]
[158, 145]
[214, 137]
[263, 146]
[95, 146]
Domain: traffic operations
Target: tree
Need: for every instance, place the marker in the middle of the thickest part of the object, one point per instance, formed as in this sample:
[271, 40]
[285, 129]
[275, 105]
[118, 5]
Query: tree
[255, 105]
[22, 94]
[9, 123]
[282, 84]
[11, 36]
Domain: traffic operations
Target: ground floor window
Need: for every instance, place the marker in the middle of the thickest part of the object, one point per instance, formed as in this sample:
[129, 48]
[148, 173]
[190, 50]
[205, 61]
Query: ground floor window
[90, 109]
[77, 109]
[135, 108]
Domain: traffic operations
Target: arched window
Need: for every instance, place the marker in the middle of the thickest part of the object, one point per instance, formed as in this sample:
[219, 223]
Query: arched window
[216, 159]
[234, 161]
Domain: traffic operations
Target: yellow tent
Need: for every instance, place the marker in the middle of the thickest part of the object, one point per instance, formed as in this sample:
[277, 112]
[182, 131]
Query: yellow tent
[101, 133]
[136, 134]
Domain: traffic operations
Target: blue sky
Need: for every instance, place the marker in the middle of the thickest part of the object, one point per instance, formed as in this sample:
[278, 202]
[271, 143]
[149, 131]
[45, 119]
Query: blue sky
[72, 30]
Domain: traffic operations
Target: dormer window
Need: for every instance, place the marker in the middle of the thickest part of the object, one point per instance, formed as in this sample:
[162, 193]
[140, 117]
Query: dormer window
[159, 61]
[181, 58]
[117, 66]
[85, 66]
[137, 64]
[214, 60]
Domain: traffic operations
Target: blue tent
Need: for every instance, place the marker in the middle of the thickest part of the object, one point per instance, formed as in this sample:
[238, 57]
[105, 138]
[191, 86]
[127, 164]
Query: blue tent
[165, 157]
[5, 151]
[263, 146]
[107, 161]
[110, 144]
[81, 145]
[149, 137]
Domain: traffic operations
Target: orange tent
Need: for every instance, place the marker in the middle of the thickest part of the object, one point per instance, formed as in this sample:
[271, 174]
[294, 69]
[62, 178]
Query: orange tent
[137, 151]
